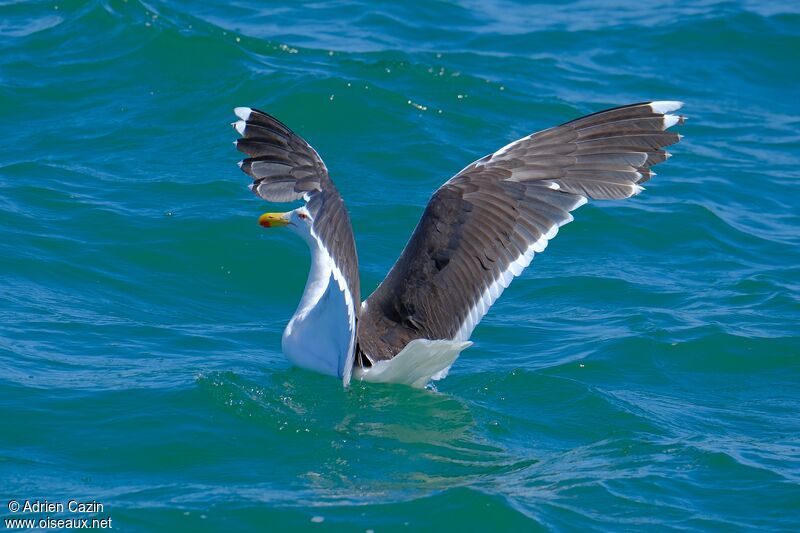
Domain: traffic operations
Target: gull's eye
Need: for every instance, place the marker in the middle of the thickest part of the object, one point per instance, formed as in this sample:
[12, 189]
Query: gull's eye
[302, 215]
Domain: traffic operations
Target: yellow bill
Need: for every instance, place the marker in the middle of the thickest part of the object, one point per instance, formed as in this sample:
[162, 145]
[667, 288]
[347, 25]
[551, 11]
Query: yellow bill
[274, 220]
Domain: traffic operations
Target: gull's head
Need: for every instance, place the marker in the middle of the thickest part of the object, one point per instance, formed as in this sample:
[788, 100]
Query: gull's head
[298, 220]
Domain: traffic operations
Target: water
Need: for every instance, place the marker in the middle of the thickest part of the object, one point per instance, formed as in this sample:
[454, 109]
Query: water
[642, 375]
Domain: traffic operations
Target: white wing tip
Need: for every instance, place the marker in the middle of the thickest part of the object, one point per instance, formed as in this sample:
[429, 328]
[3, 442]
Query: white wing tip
[239, 126]
[671, 120]
[665, 106]
[242, 112]
[540, 245]
[240, 163]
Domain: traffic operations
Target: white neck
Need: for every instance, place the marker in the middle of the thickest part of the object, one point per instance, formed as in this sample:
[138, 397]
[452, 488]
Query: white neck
[320, 334]
[318, 275]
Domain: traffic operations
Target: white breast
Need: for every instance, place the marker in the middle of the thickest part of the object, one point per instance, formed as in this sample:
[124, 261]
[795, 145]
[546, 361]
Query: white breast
[321, 334]
[319, 337]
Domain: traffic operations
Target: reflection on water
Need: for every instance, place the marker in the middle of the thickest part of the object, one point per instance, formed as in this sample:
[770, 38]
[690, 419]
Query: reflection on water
[387, 440]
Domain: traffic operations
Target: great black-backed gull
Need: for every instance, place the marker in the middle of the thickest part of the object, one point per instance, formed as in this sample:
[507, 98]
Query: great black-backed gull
[478, 232]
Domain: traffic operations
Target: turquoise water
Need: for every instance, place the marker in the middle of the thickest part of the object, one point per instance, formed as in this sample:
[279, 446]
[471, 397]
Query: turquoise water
[643, 374]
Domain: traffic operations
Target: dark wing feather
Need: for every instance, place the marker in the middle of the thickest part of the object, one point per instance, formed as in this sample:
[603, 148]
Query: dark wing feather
[482, 227]
[283, 166]
[286, 168]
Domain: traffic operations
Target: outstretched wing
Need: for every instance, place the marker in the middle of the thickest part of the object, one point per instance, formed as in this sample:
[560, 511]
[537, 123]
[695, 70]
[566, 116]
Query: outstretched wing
[286, 168]
[483, 227]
